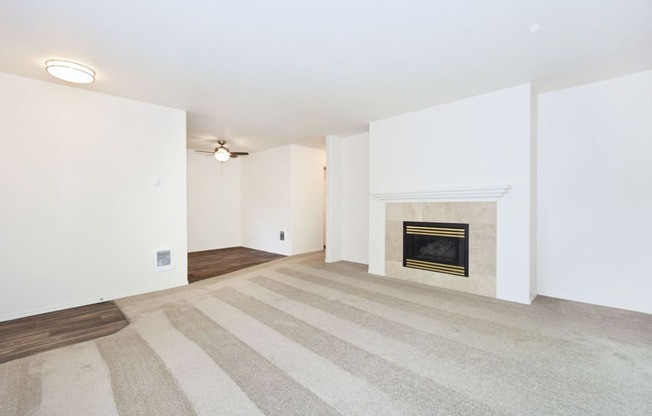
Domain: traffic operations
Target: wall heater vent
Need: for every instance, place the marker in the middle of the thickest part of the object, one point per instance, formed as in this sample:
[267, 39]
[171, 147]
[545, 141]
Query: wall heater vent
[163, 260]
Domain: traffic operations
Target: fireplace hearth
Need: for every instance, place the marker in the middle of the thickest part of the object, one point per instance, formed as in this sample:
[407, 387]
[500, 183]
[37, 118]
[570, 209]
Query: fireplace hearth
[437, 247]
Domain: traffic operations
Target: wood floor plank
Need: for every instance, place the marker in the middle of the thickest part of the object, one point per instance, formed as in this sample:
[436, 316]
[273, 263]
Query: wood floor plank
[211, 263]
[27, 336]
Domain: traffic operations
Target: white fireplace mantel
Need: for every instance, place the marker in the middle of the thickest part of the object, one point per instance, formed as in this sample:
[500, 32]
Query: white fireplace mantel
[463, 193]
[513, 279]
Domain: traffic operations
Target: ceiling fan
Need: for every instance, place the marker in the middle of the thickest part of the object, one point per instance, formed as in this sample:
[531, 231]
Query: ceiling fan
[222, 153]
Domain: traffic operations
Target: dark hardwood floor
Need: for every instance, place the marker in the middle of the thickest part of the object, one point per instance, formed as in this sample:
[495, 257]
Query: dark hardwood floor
[27, 336]
[33, 334]
[211, 263]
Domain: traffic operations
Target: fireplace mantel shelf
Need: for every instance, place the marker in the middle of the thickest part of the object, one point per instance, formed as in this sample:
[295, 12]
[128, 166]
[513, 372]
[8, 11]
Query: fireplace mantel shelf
[438, 194]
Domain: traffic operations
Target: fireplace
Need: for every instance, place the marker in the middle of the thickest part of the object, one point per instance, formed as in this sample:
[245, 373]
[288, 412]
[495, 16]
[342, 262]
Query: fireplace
[437, 247]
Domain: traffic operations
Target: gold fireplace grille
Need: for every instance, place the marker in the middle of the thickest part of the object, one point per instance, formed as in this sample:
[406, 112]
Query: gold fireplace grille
[437, 232]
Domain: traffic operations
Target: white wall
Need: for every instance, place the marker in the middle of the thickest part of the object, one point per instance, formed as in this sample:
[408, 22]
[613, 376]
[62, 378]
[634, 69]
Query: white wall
[480, 141]
[307, 199]
[283, 190]
[266, 204]
[214, 202]
[594, 202]
[81, 214]
[349, 198]
[334, 199]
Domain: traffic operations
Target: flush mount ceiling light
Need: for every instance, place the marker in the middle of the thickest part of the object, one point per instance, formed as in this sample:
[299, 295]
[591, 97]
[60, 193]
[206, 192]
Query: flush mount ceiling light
[70, 71]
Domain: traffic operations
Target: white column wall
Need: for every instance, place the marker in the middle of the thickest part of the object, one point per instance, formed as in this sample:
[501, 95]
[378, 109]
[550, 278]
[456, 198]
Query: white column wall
[349, 158]
[349, 173]
[483, 141]
[355, 187]
[92, 185]
[594, 202]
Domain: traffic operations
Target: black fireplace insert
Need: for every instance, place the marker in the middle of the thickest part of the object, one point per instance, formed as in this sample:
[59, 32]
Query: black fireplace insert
[436, 246]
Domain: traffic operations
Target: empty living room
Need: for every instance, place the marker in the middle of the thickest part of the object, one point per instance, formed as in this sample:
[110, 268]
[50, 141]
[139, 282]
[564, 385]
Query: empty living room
[326, 208]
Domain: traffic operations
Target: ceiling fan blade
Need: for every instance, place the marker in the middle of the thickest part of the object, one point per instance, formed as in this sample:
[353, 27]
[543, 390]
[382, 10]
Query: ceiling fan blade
[233, 156]
[203, 151]
[239, 153]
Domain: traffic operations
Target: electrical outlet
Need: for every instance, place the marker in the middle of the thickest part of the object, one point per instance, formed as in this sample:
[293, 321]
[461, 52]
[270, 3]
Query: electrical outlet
[281, 235]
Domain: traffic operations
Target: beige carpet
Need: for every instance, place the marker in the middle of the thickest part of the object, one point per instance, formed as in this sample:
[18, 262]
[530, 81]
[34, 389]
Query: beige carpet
[300, 337]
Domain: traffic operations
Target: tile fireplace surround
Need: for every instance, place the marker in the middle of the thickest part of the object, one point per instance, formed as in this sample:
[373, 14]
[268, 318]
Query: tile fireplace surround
[482, 219]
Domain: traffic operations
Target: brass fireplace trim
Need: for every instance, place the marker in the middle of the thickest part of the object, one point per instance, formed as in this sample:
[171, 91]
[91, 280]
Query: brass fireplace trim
[436, 231]
[435, 267]
[427, 230]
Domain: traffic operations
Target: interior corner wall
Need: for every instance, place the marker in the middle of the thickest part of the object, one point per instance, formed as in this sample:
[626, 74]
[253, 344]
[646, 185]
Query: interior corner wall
[307, 199]
[348, 172]
[483, 140]
[334, 199]
[534, 189]
[92, 186]
[266, 203]
[214, 202]
[594, 202]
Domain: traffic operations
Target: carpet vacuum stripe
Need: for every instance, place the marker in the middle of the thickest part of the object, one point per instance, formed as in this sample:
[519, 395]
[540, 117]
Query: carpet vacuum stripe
[537, 320]
[481, 326]
[20, 388]
[349, 395]
[434, 321]
[272, 390]
[400, 384]
[552, 335]
[463, 376]
[93, 395]
[570, 372]
[530, 380]
[209, 388]
[140, 381]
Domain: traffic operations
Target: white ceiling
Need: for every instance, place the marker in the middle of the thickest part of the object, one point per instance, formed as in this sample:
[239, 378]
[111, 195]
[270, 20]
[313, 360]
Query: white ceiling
[266, 73]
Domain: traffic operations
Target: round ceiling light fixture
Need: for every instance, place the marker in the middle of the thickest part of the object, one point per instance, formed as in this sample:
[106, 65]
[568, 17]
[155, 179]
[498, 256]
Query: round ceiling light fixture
[222, 154]
[70, 71]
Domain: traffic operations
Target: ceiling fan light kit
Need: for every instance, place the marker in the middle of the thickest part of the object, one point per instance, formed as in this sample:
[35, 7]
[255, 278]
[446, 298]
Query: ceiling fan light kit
[70, 71]
[222, 153]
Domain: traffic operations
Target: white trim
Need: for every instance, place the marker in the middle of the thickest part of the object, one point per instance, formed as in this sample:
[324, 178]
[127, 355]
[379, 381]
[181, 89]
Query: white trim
[532, 297]
[436, 194]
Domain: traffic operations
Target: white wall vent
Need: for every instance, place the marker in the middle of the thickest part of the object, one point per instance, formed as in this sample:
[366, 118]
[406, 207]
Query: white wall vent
[163, 260]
